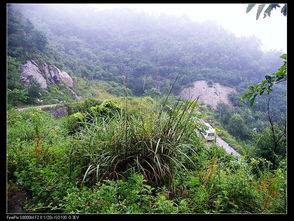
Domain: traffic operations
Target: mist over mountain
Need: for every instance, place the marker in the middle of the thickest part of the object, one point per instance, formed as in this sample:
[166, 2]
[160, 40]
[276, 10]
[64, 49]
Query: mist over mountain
[106, 45]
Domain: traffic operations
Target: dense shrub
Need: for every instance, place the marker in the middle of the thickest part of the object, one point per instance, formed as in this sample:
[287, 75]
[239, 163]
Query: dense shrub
[130, 196]
[82, 106]
[88, 111]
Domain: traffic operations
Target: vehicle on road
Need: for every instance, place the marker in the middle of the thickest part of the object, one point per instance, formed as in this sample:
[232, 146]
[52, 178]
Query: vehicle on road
[209, 134]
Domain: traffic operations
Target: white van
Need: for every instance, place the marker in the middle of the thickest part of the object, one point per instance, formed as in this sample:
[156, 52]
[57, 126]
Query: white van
[209, 134]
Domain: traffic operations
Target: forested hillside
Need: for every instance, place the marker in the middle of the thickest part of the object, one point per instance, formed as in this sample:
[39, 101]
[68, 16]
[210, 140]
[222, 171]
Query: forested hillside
[129, 145]
[148, 49]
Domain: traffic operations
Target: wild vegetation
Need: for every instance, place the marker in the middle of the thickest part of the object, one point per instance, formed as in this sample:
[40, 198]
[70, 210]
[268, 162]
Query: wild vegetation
[131, 145]
[101, 159]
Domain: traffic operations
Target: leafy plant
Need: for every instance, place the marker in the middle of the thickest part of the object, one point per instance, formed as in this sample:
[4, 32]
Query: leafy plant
[267, 84]
[268, 10]
[130, 196]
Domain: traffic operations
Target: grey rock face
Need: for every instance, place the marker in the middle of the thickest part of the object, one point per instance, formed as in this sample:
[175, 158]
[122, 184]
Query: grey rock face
[66, 79]
[30, 70]
[45, 74]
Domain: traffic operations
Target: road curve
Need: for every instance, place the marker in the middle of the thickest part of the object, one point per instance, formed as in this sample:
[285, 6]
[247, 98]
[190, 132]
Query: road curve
[226, 146]
[35, 107]
[220, 142]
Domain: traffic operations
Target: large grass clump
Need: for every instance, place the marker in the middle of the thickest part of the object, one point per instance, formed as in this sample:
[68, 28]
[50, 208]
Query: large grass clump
[109, 146]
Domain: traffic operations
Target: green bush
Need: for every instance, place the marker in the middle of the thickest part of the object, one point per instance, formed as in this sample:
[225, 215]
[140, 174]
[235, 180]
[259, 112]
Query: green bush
[75, 122]
[106, 109]
[131, 196]
[28, 124]
[88, 113]
[36, 153]
[82, 106]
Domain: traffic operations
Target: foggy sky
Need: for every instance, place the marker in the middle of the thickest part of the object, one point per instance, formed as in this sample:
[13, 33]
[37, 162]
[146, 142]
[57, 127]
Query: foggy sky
[272, 31]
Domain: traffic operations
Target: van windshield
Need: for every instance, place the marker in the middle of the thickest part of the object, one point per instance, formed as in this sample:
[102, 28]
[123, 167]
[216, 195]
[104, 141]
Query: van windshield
[210, 134]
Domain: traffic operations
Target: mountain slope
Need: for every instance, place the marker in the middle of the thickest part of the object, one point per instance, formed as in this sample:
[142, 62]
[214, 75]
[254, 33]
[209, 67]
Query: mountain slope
[100, 45]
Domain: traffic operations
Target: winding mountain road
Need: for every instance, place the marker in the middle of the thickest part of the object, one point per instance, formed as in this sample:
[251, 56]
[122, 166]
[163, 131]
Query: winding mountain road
[220, 142]
[226, 146]
[35, 107]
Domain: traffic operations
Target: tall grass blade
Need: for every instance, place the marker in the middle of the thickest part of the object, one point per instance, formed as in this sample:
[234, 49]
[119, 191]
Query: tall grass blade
[86, 173]
[169, 92]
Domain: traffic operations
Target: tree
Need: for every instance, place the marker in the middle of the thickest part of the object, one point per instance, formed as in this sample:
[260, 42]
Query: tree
[17, 97]
[237, 127]
[267, 84]
[23, 38]
[13, 75]
[17, 94]
[223, 112]
[274, 78]
[271, 143]
[38, 40]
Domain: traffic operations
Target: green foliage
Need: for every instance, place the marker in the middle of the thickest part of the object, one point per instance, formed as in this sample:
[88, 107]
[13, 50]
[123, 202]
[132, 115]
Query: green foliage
[152, 92]
[264, 146]
[130, 196]
[34, 91]
[223, 113]
[237, 126]
[57, 94]
[74, 122]
[36, 150]
[23, 38]
[268, 10]
[17, 97]
[107, 108]
[17, 93]
[82, 113]
[83, 105]
[13, 75]
[158, 166]
[153, 147]
[259, 10]
[277, 77]
[267, 84]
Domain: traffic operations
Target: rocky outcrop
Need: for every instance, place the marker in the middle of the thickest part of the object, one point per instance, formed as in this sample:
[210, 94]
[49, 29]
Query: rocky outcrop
[45, 74]
[66, 79]
[31, 70]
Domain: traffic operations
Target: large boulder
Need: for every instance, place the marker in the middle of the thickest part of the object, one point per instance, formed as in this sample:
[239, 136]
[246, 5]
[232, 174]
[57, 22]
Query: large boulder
[45, 74]
[65, 78]
[31, 70]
